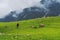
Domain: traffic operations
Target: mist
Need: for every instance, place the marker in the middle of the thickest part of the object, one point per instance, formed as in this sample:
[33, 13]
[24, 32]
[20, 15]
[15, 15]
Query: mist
[6, 6]
[15, 5]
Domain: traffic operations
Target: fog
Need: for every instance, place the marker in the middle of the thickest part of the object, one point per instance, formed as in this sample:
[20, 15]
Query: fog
[18, 5]
[15, 5]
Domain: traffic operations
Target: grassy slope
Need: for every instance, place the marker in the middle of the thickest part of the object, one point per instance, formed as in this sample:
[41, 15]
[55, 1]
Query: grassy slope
[51, 31]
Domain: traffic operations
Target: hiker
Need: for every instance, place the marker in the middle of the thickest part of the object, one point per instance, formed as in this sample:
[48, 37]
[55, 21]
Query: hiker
[17, 25]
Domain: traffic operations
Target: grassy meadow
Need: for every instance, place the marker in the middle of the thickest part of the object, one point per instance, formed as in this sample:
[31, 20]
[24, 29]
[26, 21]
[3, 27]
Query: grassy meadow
[31, 30]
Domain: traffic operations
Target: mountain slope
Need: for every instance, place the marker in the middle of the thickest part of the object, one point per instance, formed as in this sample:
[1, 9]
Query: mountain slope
[51, 30]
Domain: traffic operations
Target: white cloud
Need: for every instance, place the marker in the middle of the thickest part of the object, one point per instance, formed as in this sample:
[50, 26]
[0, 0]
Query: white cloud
[21, 4]
[10, 5]
[7, 5]
[4, 8]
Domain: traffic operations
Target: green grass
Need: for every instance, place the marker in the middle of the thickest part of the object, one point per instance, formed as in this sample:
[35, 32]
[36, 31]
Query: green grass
[51, 31]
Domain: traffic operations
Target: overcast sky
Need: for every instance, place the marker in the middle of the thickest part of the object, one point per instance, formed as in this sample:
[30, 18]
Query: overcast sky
[10, 5]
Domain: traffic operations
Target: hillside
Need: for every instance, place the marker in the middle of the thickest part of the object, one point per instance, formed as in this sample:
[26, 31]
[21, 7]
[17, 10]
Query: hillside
[31, 30]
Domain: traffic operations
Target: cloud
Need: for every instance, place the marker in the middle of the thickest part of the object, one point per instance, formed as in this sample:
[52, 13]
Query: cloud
[21, 4]
[10, 5]
[4, 8]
